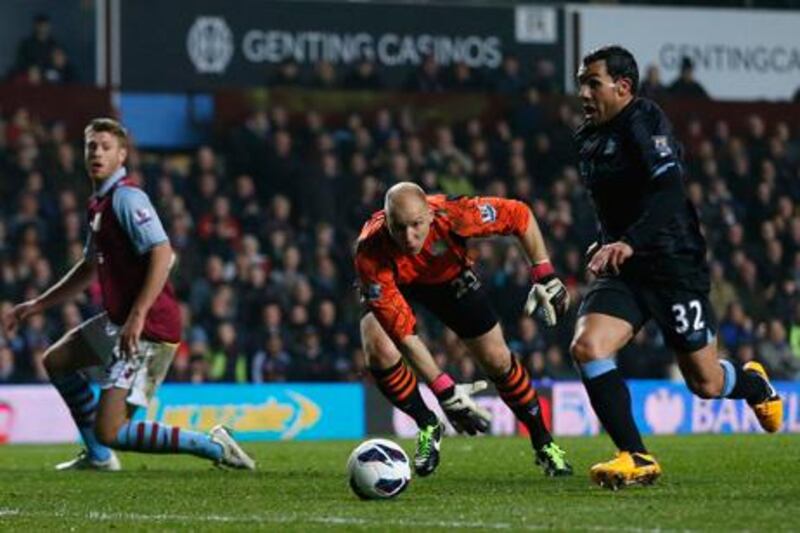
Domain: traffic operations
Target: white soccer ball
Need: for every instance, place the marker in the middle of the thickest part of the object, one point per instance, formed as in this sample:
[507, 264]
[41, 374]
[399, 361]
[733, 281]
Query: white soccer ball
[378, 469]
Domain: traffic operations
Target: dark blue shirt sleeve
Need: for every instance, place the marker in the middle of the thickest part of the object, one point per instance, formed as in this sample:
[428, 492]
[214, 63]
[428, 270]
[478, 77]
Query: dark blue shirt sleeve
[653, 142]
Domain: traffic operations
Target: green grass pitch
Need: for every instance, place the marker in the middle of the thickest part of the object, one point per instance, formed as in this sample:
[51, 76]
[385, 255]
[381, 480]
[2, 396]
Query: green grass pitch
[711, 483]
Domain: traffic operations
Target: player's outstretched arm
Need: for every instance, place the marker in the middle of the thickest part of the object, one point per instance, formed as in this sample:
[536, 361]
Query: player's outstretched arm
[72, 284]
[548, 296]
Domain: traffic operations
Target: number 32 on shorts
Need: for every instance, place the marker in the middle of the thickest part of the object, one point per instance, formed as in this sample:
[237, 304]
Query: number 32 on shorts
[687, 316]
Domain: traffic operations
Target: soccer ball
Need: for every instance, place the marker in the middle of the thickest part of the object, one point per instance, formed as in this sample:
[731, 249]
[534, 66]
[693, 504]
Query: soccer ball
[378, 469]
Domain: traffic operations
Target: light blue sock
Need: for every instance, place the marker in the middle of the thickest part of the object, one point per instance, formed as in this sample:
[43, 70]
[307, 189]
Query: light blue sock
[597, 367]
[152, 437]
[730, 378]
[82, 403]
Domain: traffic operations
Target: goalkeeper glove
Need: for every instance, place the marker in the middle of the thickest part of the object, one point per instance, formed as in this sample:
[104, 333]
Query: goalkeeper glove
[464, 414]
[548, 297]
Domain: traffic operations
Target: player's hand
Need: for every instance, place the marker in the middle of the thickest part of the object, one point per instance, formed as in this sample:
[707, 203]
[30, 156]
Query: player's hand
[464, 414]
[548, 297]
[19, 313]
[129, 336]
[609, 258]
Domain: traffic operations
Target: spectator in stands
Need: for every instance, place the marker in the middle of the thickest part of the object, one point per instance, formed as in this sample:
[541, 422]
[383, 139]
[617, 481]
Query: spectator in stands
[364, 77]
[544, 77]
[274, 277]
[794, 331]
[226, 361]
[325, 76]
[310, 363]
[59, 69]
[271, 363]
[284, 169]
[510, 79]
[651, 86]
[36, 50]
[246, 153]
[462, 78]
[287, 74]
[686, 86]
[30, 76]
[427, 78]
[723, 292]
[776, 353]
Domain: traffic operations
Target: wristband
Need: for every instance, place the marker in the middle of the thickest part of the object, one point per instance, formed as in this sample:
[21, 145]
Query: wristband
[542, 270]
[442, 383]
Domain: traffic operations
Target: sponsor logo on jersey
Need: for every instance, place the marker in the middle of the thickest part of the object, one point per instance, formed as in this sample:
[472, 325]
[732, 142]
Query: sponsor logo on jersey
[373, 292]
[438, 248]
[142, 215]
[661, 144]
[488, 213]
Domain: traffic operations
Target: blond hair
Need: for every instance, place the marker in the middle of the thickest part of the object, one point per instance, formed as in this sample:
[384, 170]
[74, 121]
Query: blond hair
[109, 125]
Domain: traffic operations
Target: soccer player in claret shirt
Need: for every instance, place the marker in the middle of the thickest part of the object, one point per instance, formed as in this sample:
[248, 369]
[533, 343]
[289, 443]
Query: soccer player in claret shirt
[415, 249]
[132, 342]
[650, 262]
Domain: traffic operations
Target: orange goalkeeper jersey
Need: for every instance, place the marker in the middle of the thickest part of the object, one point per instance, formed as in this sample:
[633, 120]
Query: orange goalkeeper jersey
[382, 267]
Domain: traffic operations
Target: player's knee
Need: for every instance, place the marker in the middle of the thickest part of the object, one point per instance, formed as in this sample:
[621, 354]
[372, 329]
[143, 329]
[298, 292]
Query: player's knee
[705, 389]
[496, 360]
[54, 363]
[585, 349]
[380, 350]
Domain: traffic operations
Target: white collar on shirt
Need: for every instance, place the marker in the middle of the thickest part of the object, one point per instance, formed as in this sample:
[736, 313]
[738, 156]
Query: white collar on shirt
[110, 181]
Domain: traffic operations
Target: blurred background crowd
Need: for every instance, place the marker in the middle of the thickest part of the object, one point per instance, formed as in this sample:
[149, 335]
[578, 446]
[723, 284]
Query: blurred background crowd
[263, 220]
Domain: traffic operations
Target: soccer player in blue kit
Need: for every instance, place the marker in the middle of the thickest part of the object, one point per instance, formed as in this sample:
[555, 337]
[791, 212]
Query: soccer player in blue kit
[650, 262]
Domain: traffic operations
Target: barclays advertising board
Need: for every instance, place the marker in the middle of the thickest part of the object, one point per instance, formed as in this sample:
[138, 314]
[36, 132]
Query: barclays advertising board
[665, 407]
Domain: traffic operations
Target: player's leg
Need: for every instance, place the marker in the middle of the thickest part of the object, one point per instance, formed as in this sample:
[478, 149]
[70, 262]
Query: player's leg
[463, 305]
[608, 318]
[132, 384]
[514, 385]
[394, 379]
[64, 361]
[399, 385]
[710, 377]
[597, 339]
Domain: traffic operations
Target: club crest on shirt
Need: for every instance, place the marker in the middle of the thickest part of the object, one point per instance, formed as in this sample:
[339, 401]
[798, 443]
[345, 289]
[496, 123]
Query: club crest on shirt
[488, 213]
[142, 215]
[661, 144]
[373, 292]
[611, 147]
[95, 223]
[439, 247]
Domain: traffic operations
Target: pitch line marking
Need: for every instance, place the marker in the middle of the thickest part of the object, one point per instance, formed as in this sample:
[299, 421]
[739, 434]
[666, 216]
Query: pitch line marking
[322, 520]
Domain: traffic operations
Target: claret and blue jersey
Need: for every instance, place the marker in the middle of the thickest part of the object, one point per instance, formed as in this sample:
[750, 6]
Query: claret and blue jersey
[124, 227]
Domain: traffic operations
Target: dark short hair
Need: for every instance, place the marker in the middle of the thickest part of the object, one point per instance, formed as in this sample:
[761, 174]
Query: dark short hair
[109, 125]
[620, 63]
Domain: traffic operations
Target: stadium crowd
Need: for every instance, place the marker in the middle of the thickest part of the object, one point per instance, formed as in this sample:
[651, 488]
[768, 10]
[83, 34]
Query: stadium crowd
[263, 224]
